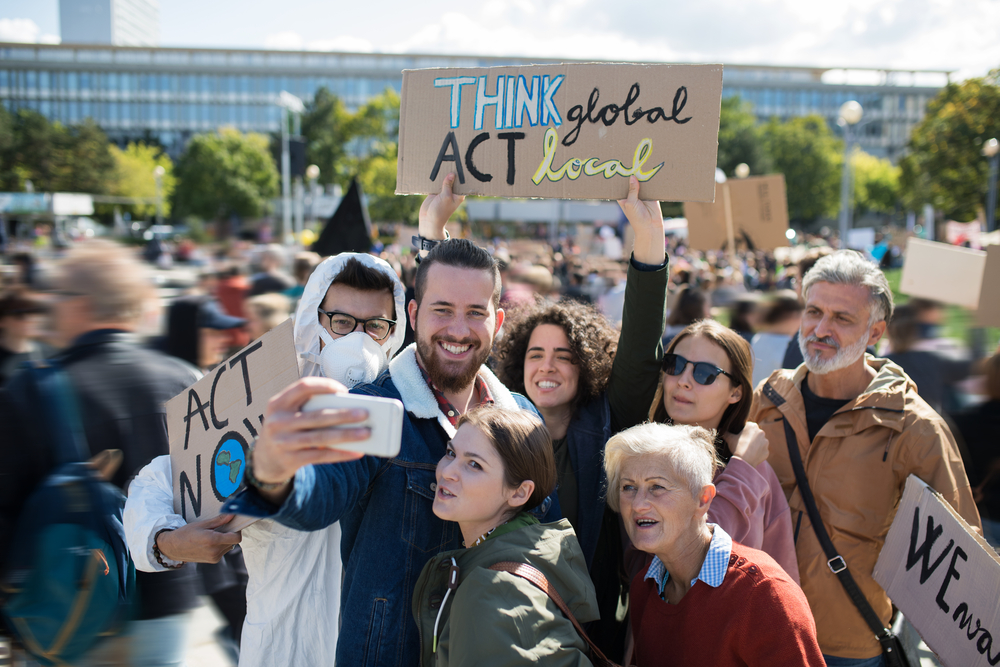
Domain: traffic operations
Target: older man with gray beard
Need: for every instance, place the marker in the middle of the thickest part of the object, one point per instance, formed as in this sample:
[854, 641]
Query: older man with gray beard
[856, 429]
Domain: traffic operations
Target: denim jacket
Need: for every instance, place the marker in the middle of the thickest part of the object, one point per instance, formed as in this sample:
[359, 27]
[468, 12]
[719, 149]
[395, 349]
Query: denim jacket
[385, 511]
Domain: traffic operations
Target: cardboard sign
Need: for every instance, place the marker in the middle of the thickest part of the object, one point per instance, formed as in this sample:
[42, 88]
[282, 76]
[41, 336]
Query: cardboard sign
[988, 314]
[943, 272]
[759, 213]
[943, 577]
[212, 423]
[574, 131]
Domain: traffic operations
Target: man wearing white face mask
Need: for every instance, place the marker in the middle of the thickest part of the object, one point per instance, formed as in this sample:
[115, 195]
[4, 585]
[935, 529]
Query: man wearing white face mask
[344, 330]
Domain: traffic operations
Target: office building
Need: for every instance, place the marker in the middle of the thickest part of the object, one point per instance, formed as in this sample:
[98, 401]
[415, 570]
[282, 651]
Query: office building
[170, 94]
[111, 22]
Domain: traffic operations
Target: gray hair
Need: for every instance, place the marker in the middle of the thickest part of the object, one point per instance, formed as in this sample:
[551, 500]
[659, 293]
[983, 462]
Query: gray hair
[118, 286]
[847, 267]
[690, 451]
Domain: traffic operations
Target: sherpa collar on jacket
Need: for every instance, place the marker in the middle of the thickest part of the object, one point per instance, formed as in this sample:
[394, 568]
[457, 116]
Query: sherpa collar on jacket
[418, 399]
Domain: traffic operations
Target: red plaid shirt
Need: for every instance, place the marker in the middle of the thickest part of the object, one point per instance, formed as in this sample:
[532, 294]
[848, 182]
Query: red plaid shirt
[481, 396]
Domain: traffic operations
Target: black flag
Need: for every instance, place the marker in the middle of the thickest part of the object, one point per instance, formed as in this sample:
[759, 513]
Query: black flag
[349, 228]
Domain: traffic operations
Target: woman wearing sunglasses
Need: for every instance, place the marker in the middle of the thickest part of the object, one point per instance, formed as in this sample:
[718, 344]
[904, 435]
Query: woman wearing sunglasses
[706, 382]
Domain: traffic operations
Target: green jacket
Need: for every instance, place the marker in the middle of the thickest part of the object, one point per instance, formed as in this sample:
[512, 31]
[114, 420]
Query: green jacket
[494, 618]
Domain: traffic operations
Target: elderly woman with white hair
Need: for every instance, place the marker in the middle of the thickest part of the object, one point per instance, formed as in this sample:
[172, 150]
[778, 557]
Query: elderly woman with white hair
[702, 599]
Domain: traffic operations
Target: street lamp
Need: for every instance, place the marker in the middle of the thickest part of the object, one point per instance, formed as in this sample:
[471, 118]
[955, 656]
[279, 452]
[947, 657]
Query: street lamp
[158, 173]
[850, 114]
[991, 150]
[289, 104]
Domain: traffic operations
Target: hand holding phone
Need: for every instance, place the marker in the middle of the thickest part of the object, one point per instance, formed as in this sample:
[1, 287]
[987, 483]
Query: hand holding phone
[385, 420]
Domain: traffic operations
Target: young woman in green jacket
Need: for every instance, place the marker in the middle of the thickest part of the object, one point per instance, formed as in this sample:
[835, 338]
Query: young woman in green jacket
[499, 466]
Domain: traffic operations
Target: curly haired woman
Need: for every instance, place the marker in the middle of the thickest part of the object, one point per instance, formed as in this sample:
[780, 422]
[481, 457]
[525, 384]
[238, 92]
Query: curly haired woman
[563, 357]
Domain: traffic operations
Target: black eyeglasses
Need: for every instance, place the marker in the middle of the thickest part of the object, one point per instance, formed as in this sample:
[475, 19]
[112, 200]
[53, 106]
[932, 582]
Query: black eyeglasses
[343, 324]
[704, 372]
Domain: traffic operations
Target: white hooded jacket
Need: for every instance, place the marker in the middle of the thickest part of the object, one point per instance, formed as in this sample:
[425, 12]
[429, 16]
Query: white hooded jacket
[293, 592]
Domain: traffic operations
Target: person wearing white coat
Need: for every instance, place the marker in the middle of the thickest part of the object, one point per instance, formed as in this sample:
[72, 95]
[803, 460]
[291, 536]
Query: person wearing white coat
[293, 594]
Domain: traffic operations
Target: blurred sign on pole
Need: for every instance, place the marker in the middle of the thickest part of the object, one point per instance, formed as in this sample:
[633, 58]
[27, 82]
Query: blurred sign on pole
[942, 272]
[988, 313]
[861, 238]
[759, 210]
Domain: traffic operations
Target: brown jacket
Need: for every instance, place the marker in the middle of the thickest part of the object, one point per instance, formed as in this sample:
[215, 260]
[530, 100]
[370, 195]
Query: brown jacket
[857, 467]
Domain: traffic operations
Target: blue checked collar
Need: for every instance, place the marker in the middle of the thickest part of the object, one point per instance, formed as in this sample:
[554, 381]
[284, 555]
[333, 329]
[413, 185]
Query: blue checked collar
[713, 570]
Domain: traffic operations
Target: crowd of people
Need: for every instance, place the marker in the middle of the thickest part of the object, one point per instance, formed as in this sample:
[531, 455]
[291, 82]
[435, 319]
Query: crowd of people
[641, 460]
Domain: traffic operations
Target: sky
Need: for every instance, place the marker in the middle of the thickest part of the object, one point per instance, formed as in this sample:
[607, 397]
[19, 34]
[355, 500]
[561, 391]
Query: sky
[962, 36]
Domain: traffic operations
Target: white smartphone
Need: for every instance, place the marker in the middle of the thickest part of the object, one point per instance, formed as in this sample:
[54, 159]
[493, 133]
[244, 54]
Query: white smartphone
[385, 419]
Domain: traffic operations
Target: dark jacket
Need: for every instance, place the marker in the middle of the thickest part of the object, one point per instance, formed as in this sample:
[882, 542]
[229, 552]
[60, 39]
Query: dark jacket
[121, 388]
[385, 509]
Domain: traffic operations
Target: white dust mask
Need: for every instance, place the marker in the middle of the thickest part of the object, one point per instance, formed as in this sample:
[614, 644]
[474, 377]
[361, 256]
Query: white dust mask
[352, 359]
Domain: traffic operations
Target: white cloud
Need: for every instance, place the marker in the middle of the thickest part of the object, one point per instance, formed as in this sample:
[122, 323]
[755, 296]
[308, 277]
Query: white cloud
[285, 40]
[18, 30]
[347, 43]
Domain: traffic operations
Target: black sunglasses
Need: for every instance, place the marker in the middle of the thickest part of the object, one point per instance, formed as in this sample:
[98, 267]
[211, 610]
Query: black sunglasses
[704, 372]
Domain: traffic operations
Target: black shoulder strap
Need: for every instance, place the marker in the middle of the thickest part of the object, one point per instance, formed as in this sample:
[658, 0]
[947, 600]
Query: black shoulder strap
[835, 561]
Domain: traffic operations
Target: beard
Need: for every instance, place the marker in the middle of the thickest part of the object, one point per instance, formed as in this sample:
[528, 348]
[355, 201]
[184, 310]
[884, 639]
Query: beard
[844, 357]
[450, 375]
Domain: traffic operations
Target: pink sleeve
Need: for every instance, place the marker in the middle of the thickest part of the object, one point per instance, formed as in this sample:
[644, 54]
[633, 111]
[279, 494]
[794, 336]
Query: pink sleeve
[779, 538]
[740, 492]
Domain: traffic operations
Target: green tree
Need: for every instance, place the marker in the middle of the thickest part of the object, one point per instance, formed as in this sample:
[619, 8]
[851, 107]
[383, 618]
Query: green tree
[326, 127]
[806, 152]
[944, 166]
[223, 174]
[378, 178]
[740, 138]
[876, 183]
[55, 158]
[134, 177]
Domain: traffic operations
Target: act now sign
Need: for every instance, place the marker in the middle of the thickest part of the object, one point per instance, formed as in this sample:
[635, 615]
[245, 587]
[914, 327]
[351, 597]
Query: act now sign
[576, 131]
[211, 424]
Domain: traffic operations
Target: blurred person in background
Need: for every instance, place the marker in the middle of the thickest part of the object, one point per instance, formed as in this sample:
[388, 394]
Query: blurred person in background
[231, 290]
[20, 316]
[700, 597]
[980, 427]
[690, 305]
[744, 315]
[933, 371]
[303, 266]
[196, 334]
[266, 311]
[121, 388]
[780, 321]
[272, 277]
[587, 382]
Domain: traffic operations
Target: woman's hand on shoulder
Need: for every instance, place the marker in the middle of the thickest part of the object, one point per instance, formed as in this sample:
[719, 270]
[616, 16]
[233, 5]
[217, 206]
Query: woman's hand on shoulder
[750, 444]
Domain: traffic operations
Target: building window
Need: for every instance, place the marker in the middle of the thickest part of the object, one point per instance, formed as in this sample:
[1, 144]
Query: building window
[31, 79]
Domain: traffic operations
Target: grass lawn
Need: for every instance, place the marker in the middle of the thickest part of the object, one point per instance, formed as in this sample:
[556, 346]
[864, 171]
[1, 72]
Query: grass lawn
[958, 320]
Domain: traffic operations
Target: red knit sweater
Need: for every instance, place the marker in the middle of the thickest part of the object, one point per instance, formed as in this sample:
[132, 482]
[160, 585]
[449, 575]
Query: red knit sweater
[757, 616]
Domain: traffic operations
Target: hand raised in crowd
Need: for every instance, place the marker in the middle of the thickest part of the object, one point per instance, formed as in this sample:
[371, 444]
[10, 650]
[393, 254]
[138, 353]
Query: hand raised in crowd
[199, 542]
[291, 439]
[647, 223]
[750, 444]
[436, 210]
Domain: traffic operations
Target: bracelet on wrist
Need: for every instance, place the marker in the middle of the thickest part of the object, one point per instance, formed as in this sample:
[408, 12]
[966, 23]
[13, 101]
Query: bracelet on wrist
[424, 243]
[159, 554]
[252, 480]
